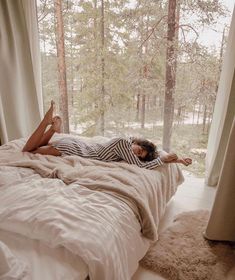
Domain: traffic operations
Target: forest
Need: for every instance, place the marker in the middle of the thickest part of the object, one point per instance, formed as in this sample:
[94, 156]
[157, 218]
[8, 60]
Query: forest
[133, 68]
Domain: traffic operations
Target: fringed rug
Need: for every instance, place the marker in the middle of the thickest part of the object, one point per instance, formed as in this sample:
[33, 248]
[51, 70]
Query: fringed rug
[182, 253]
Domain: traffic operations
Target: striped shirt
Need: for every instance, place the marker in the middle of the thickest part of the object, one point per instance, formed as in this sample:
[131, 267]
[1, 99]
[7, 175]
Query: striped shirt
[116, 149]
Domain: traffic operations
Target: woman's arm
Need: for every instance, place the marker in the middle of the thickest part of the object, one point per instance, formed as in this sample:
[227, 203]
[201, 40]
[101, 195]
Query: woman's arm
[184, 161]
[173, 158]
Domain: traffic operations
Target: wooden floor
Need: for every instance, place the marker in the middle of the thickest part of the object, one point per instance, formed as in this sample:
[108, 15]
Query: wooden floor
[193, 194]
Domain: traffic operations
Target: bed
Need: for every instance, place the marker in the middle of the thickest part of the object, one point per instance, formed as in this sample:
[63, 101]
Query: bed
[77, 218]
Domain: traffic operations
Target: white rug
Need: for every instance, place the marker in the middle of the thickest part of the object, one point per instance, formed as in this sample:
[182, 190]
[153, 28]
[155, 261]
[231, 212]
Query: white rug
[182, 253]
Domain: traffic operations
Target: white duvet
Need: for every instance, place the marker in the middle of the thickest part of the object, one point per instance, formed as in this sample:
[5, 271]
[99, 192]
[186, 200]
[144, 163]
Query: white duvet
[98, 211]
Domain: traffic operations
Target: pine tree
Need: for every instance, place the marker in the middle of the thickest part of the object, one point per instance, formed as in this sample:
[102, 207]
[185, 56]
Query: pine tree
[61, 66]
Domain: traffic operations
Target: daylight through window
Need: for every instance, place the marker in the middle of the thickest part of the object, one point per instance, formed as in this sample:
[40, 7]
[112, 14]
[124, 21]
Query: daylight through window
[135, 68]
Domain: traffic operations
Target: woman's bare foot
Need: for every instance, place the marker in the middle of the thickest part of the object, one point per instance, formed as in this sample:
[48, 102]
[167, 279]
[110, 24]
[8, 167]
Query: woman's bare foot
[56, 124]
[49, 114]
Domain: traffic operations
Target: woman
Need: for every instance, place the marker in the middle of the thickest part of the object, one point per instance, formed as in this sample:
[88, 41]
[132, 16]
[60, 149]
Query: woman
[134, 151]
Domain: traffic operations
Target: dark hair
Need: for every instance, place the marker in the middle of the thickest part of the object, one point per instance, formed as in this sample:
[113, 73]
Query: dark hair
[148, 146]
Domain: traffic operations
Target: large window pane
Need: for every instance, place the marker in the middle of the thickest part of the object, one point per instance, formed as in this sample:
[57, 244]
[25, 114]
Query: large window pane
[136, 68]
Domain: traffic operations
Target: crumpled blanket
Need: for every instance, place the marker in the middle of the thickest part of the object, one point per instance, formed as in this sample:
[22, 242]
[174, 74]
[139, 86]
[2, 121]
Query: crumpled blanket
[48, 210]
[11, 268]
[131, 184]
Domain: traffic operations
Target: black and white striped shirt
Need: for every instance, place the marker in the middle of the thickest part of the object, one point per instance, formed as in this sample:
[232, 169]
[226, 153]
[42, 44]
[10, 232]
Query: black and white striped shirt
[116, 149]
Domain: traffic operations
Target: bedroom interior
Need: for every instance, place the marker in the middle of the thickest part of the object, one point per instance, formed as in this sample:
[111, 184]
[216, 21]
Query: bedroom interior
[45, 243]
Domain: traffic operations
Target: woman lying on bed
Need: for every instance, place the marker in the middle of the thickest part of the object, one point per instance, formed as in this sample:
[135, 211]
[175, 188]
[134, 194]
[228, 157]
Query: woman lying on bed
[133, 150]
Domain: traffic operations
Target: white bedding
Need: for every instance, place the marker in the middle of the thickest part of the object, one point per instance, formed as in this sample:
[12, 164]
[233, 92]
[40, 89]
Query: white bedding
[38, 261]
[91, 208]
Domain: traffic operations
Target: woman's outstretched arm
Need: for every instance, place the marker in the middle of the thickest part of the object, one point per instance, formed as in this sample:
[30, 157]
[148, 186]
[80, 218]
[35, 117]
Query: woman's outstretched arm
[124, 151]
[184, 161]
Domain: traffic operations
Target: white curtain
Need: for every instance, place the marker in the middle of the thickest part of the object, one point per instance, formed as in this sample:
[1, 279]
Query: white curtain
[20, 90]
[223, 113]
[221, 150]
[221, 225]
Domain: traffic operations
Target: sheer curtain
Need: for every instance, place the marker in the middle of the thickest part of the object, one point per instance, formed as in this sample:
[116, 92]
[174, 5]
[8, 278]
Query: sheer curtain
[221, 150]
[221, 225]
[223, 112]
[20, 90]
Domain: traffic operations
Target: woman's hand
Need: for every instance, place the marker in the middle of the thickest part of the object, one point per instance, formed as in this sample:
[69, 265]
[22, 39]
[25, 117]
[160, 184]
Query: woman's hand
[185, 161]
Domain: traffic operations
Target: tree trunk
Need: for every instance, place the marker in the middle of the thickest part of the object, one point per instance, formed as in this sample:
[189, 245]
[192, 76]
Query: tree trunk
[171, 63]
[63, 100]
[95, 22]
[96, 38]
[161, 108]
[204, 119]
[198, 113]
[193, 113]
[183, 113]
[143, 103]
[154, 105]
[138, 108]
[209, 123]
[143, 111]
[102, 72]
[72, 67]
[179, 114]
[145, 77]
[220, 60]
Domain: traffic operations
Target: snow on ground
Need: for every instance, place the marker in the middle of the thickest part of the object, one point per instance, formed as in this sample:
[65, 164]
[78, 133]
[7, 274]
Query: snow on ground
[187, 120]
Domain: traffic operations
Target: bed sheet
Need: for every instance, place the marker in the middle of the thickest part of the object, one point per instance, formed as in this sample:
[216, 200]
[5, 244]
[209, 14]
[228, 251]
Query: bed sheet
[34, 260]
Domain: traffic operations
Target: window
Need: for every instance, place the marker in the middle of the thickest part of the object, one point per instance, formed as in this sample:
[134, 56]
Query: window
[135, 68]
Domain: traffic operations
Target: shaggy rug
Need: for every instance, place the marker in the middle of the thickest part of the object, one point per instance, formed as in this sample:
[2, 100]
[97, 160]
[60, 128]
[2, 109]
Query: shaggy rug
[182, 253]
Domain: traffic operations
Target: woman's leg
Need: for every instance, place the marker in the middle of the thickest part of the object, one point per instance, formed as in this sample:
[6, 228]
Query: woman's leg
[44, 148]
[35, 139]
[47, 150]
[55, 127]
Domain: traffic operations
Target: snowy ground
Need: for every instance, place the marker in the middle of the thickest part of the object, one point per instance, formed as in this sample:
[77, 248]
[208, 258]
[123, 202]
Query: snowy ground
[82, 127]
